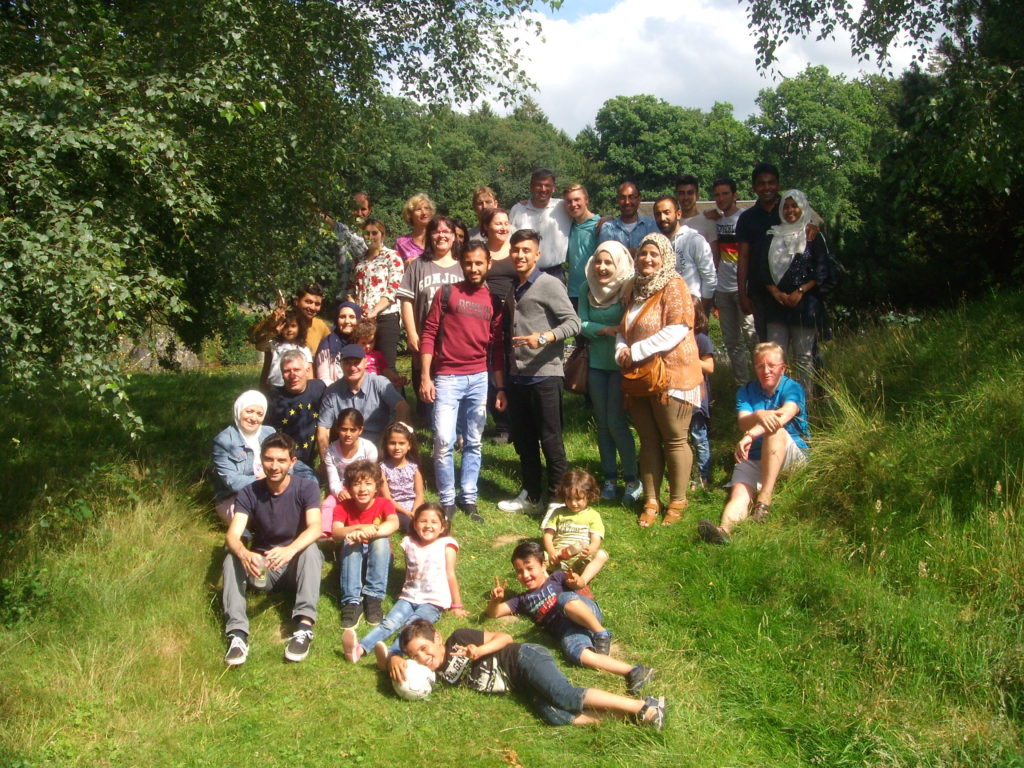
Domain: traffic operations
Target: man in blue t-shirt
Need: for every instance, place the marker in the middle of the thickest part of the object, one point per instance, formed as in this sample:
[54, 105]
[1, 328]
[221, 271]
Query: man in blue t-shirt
[771, 411]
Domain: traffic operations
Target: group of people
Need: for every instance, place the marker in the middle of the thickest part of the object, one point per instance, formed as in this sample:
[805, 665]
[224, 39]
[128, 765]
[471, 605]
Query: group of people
[486, 313]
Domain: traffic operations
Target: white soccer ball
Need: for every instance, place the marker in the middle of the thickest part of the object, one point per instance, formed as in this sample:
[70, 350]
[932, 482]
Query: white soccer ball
[419, 681]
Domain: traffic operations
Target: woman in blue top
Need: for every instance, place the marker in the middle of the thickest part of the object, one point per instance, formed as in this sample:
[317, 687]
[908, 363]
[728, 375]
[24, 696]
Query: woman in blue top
[236, 451]
[601, 315]
[787, 272]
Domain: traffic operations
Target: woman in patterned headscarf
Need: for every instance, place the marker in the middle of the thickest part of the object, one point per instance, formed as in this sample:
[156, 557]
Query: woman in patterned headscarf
[658, 323]
[788, 271]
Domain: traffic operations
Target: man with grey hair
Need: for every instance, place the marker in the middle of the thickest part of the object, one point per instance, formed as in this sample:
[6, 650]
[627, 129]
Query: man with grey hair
[294, 409]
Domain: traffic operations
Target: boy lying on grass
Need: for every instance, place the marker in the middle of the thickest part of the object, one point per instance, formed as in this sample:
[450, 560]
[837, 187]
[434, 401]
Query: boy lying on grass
[490, 662]
[563, 605]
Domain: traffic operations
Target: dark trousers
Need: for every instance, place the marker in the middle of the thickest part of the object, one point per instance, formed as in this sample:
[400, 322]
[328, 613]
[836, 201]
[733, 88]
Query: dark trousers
[389, 331]
[535, 418]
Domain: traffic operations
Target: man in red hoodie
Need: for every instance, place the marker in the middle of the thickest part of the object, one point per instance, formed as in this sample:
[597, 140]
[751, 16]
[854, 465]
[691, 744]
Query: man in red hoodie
[461, 340]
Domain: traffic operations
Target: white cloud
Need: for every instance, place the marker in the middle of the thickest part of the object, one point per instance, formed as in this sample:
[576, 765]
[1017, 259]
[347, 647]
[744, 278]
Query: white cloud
[689, 53]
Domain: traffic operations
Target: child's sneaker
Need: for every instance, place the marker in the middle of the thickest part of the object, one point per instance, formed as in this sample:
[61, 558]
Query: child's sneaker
[298, 647]
[633, 493]
[238, 651]
[608, 490]
[350, 643]
[350, 615]
[373, 611]
[657, 706]
[603, 642]
[637, 678]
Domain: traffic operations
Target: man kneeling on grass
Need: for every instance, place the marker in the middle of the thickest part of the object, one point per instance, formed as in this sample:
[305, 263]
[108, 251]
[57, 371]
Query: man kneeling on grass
[771, 413]
[490, 662]
[283, 513]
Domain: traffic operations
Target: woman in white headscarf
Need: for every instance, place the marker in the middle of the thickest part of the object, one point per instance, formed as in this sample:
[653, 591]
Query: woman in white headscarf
[236, 451]
[601, 308]
[788, 271]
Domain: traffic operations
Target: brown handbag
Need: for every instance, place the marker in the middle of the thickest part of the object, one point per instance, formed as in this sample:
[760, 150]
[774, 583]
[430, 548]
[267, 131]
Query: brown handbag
[649, 378]
[577, 368]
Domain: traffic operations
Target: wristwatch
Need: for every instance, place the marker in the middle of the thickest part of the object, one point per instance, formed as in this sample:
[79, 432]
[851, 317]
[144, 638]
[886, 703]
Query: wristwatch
[541, 339]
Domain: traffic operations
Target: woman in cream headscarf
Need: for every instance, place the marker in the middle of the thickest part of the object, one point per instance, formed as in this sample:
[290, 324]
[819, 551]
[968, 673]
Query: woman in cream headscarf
[787, 271]
[659, 321]
[236, 451]
[601, 308]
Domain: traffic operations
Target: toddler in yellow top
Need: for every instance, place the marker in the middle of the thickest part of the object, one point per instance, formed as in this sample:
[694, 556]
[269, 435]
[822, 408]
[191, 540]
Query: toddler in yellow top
[574, 531]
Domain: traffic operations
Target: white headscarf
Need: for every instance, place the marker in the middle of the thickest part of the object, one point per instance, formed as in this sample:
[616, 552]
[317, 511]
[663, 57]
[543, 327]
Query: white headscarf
[788, 239]
[605, 294]
[245, 400]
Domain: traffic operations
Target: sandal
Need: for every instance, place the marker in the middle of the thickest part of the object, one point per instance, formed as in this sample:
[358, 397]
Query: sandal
[650, 513]
[674, 512]
[760, 512]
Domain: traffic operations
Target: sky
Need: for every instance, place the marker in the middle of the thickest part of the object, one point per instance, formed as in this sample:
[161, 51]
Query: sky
[690, 53]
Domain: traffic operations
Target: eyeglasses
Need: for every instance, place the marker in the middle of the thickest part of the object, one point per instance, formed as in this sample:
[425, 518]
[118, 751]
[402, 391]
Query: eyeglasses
[769, 366]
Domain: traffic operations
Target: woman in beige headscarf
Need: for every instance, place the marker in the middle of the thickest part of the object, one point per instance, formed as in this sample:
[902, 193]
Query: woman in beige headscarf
[659, 322]
[601, 308]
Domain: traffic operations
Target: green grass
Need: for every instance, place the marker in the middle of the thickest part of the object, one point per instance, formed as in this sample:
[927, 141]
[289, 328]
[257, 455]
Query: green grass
[875, 620]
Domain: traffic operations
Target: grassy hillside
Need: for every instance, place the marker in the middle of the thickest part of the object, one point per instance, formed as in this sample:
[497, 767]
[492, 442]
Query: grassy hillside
[875, 620]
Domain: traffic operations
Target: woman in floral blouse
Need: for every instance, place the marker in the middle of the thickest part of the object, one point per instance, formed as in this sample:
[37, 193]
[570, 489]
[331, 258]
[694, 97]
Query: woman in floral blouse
[375, 280]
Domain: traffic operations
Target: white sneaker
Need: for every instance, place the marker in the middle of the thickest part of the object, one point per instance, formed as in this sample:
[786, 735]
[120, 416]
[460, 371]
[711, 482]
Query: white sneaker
[521, 504]
[238, 652]
[634, 491]
[608, 490]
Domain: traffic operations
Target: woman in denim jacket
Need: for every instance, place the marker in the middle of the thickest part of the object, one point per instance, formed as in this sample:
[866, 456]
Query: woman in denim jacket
[236, 451]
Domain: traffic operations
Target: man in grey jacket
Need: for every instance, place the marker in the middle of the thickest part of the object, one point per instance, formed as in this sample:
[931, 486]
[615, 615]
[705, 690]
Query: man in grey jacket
[540, 318]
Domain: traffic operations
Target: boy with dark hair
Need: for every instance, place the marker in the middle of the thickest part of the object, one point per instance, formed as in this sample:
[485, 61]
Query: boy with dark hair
[283, 513]
[490, 662]
[362, 526]
[563, 605]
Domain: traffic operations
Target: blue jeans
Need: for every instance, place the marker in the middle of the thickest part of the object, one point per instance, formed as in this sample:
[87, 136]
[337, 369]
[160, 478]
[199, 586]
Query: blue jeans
[574, 638]
[400, 614]
[699, 433]
[375, 558]
[460, 408]
[553, 697]
[613, 432]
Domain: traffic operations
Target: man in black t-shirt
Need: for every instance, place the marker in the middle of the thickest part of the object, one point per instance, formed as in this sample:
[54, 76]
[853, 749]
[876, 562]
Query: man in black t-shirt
[294, 409]
[751, 228]
[282, 511]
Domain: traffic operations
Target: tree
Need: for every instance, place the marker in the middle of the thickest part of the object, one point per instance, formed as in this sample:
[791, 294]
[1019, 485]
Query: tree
[649, 141]
[159, 161]
[952, 179]
[826, 134]
[435, 149]
[978, 58]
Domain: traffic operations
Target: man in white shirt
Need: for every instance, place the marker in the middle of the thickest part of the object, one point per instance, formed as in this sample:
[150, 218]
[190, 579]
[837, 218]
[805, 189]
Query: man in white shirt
[687, 196]
[693, 255]
[548, 217]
